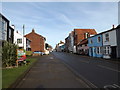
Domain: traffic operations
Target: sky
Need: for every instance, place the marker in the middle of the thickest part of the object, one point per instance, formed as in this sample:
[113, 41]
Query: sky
[55, 20]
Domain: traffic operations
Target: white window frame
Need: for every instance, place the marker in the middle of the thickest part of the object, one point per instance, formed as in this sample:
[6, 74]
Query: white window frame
[98, 50]
[107, 50]
[19, 42]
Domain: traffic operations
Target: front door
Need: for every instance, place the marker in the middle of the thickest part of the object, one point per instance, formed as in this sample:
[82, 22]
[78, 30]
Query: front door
[113, 52]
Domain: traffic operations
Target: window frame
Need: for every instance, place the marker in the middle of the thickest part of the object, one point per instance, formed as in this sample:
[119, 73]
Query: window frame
[20, 41]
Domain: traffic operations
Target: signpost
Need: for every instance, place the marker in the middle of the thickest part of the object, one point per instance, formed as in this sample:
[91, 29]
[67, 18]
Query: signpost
[21, 56]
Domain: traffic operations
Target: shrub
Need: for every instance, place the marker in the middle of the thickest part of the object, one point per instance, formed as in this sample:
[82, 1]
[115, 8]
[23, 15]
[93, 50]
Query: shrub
[9, 54]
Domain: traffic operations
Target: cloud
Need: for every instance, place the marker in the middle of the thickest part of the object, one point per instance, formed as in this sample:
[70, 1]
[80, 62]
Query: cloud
[58, 19]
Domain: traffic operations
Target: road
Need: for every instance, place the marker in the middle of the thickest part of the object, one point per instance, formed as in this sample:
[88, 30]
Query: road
[49, 72]
[96, 71]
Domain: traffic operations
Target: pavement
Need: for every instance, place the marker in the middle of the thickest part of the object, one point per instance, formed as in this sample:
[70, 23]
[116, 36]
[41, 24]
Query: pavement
[49, 72]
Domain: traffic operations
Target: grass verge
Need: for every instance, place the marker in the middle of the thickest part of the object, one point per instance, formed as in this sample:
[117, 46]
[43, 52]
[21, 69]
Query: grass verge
[9, 76]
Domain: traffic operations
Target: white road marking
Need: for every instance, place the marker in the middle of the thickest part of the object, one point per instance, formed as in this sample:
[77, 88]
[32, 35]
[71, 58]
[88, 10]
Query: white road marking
[116, 85]
[108, 68]
[111, 86]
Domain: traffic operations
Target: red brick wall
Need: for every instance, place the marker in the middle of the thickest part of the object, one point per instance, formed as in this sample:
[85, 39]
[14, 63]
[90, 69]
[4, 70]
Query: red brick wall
[79, 34]
[37, 41]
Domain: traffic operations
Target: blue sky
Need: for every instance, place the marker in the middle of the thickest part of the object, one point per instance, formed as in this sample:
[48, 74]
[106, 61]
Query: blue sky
[55, 20]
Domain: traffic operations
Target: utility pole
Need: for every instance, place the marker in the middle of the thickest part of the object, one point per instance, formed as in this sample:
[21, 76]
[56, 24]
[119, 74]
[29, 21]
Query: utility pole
[23, 34]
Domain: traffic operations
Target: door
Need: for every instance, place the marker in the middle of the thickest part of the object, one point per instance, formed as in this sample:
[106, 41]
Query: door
[113, 52]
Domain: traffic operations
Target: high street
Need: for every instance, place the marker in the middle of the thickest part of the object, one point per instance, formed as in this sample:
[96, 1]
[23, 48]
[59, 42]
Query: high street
[99, 72]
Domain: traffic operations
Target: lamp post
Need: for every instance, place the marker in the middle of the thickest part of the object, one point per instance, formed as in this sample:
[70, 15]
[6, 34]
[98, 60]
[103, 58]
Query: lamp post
[23, 34]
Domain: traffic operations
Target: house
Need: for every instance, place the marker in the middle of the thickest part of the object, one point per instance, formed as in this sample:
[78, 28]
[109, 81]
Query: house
[95, 44]
[60, 46]
[110, 43]
[67, 43]
[105, 44]
[6, 31]
[21, 41]
[82, 47]
[71, 42]
[37, 41]
[80, 34]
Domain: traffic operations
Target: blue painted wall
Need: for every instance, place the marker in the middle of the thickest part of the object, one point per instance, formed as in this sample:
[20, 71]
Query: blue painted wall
[92, 46]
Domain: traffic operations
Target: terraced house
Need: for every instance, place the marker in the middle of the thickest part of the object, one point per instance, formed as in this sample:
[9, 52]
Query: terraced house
[105, 44]
[95, 44]
[111, 43]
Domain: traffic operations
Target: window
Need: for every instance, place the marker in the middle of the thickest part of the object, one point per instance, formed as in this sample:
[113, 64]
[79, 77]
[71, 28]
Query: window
[9, 33]
[98, 50]
[91, 41]
[86, 35]
[4, 30]
[19, 41]
[107, 37]
[107, 50]
[98, 39]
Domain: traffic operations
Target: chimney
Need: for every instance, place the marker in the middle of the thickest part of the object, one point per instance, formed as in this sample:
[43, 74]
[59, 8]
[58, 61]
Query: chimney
[17, 31]
[113, 26]
[13, 26]
[33, 30]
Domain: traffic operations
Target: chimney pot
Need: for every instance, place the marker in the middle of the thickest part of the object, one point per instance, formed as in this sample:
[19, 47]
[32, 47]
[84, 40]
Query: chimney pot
[113, 26]
[33, 30]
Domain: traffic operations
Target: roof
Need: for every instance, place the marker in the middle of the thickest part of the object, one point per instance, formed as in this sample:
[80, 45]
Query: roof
[84, 41]
[106, 31]
[4, 17]
[33, 31]
[118, 26]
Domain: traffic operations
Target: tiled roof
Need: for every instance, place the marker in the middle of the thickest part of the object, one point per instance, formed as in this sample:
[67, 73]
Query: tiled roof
[84, 41]
[35, 34]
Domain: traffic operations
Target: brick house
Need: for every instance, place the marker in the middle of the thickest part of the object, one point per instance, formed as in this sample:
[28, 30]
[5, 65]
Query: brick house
[82, 47]
[80, 34]
[37, 41]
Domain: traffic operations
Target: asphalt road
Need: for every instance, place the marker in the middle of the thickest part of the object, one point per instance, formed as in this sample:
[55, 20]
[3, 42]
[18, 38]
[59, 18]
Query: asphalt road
[97, 71]
[50, 72]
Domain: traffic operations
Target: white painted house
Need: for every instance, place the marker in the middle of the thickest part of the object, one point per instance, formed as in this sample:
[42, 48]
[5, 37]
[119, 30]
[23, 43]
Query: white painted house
[109, 44]
[21, 41]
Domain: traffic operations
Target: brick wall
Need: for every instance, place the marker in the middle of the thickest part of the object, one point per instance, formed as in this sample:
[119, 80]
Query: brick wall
[79, 34]
[37, 41]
